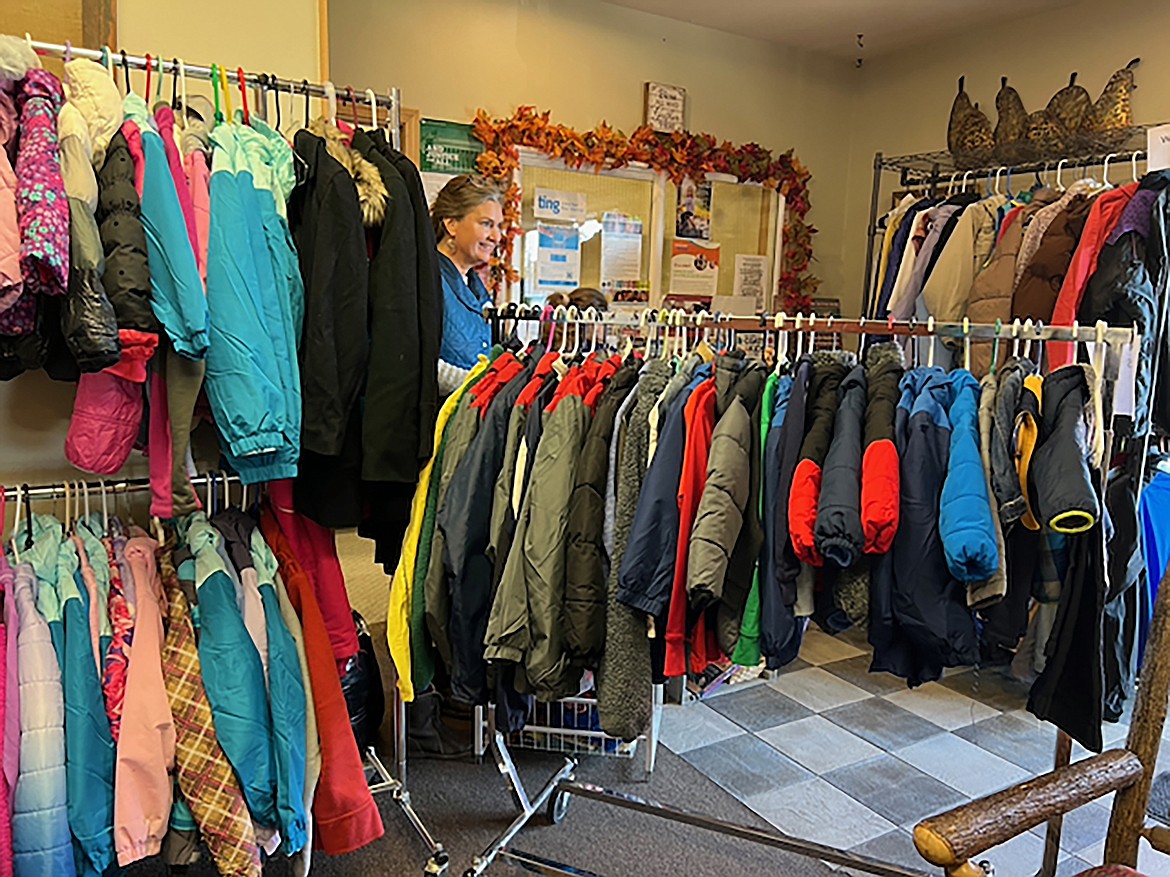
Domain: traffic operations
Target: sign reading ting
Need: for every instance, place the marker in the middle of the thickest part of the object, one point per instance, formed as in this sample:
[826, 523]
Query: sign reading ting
[564, 206]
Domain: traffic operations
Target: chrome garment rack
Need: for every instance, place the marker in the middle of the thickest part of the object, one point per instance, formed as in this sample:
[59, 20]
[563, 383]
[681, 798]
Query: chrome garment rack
[380, 779]
[261, 83]
[937, 172]
[556, 793]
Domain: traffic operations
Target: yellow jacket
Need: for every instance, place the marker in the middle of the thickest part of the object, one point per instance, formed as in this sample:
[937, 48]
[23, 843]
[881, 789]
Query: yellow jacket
[402, 583]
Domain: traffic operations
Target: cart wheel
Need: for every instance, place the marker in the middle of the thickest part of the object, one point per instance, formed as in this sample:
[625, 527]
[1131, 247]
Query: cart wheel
[558, 807]
[437, 864]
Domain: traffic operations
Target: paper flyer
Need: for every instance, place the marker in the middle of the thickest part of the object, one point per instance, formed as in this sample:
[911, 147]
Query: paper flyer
[560, 206]
[751, 279]
[621, 259]
[694, 269]
[692, 217]
[558, 258]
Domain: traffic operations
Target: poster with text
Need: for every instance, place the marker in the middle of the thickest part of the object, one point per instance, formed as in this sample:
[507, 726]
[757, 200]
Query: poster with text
[693, 213]
[447, 147]
[558, 258]
[621, 259]
[694, 269]
[751, 280]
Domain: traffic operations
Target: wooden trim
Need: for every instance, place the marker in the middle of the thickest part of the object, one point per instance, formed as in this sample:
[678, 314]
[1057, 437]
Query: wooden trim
[323, 40]
[99, 22]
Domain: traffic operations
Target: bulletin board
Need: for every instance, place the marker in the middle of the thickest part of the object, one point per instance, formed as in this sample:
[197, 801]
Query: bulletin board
[635, 193]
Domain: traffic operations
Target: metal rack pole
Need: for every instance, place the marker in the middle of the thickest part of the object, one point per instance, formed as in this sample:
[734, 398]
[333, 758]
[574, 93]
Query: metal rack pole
[871, 233]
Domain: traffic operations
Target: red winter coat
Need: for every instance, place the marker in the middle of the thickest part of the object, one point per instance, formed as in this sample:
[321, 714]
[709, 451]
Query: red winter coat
[344, 810]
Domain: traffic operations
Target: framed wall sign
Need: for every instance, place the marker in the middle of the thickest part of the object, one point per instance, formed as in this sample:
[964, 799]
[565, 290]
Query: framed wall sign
[665, 107]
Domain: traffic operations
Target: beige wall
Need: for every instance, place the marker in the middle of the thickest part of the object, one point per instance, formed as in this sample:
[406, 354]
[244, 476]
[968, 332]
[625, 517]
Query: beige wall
[903, 102]
[586, 61]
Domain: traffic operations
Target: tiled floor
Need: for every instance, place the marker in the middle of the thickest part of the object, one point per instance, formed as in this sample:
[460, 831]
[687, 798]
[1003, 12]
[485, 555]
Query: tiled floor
[832, 753]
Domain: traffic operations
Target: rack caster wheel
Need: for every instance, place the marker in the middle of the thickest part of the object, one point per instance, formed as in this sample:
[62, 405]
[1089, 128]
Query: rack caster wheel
[437, 864]
[558, 807]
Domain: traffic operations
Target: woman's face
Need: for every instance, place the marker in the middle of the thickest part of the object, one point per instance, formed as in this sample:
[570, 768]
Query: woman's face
[474, 238]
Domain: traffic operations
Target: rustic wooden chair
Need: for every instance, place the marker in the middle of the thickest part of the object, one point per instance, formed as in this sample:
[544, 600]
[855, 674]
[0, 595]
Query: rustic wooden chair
[953, 840]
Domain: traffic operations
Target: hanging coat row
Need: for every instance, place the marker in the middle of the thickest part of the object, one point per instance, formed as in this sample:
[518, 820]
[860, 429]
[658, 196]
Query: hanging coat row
[184, 254]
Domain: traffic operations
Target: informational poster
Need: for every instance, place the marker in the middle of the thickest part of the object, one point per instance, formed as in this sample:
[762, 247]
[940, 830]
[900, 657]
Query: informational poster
[558, 258]
[447, 147]
[692, 218]
[621, 258]
[694, 269]
[751, 279]
[433, 184]
[562, 206]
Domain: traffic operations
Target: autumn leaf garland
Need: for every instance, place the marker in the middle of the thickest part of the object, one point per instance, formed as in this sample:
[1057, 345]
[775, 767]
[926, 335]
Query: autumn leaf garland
[679, 155]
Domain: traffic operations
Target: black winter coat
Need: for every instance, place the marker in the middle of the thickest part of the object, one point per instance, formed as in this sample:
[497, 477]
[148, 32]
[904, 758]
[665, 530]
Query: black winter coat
[430, 292]
[780, 633]
[1066, 499]
[586, 560]
[326, 223]
[880, 490]
[127, 275]
[839, 535]
[391, 421]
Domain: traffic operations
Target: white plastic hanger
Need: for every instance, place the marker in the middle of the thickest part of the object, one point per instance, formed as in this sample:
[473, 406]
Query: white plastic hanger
[1133, 160]
[105, 508]
[812, 332]
[373, 108]
[799, 336]
[331, 102]
[966, 344]
[1105, 170]
[16, 525]
[1059, 173]
[930, 333]
[1016, 338]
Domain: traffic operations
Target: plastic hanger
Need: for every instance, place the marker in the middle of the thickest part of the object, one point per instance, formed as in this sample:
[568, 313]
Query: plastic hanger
[159, 83]
[174, 83]
[126, 72]
[16, 525]
[373, 99]
[276, 89]
[966, 344]
[68, 51]
[781, 341]
[1016, 338]
[183, 88]
[1059, 173]
[331, 102]
[352, 105]
[574, 316]
[149, 67]
[105, 508]
[305, 85]
[1105, 170]
[215, 90]
[1133, 160]
[995, 346]
[67, 520]
[242, 80]
[799, 336]
[812, 333]
[227, 93]
[930, 333]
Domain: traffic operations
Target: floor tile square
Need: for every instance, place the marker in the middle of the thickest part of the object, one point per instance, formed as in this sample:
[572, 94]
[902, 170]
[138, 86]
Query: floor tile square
[1071, 866]
[818, 744]
[895, 790]
[962, 765]
[1012, 738]
[897, 848]
[856, 671]
[818, 648]
[817, 811]
[758, 708]
[989, 687]
[1081, 828]
[885, 725]
[940, 705]
[793, 666]
[1151, 863]
[818, 689]
[746, 766]
[1022, 855]
[689, 727]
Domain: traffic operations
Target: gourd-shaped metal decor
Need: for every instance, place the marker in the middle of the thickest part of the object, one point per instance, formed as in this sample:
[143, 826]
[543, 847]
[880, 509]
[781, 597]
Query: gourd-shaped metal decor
[969, 135]
[1011, 127]
[1112, 114]
[1071, 108]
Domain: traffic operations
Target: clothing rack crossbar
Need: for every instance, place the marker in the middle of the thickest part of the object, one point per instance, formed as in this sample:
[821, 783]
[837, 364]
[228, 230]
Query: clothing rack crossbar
[57, 490]
[390, 100]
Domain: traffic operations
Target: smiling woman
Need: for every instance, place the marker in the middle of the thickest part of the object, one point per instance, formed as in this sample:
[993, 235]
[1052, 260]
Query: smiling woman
[467, 215]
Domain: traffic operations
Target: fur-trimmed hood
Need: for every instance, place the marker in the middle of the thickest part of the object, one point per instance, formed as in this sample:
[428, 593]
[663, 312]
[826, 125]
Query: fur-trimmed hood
[371, 189]
[885, 352]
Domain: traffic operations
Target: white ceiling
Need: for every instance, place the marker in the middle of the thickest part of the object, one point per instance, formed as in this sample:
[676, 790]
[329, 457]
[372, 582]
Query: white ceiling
[832, 26]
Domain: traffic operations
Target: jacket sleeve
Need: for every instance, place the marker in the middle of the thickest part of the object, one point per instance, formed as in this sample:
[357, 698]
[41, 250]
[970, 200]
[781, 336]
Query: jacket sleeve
[178, 298]
[880, 481]
[88, 320]
[964, 522]
[720, 515]
[806, 480]
[839, 534]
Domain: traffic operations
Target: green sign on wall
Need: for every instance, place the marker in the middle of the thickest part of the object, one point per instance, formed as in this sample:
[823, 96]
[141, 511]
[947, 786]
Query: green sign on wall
[447, 147]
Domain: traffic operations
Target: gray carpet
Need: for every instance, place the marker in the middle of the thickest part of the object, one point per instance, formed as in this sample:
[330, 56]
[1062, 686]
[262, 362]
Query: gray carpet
[466, 806]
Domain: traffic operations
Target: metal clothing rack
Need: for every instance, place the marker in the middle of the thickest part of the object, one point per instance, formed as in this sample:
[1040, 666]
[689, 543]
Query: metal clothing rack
[380, 779]
[937, 170]
[261, 83]
[555, 794]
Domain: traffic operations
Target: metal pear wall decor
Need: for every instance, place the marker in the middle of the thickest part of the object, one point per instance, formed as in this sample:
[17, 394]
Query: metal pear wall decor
[1072, 124]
